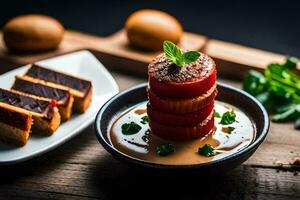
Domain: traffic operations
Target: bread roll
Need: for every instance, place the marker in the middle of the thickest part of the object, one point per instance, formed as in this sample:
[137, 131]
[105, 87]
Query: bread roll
[148, 29]
[28, 33]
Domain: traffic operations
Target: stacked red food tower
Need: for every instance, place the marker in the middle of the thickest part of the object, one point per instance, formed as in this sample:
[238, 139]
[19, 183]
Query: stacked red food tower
[181, 99]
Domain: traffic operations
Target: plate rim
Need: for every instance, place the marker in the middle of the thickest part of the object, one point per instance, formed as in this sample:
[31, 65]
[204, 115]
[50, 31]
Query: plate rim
[76, 130]
[122, 156]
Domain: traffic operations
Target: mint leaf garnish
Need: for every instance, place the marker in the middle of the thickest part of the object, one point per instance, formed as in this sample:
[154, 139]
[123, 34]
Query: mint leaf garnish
[190, 56]
[174, 54]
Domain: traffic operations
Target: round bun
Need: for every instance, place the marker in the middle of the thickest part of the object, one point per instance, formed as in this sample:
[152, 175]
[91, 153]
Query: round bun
[148, 29]
[32, 33]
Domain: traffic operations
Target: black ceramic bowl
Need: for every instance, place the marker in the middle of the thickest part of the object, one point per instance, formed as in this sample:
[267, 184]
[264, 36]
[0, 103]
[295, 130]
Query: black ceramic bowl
[227, 94]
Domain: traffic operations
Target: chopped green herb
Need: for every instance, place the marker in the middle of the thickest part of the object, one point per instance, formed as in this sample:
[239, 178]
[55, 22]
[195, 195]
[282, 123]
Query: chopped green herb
[165, 149]
[228, 129]
[216, 114]
[145, 120]
[278, 89]
[228, 118]
[297, 124]
[286, 112]
[254, 83]
[231, 129]
[130, 128]
[177, 57]
[291, 63]
[206, 150]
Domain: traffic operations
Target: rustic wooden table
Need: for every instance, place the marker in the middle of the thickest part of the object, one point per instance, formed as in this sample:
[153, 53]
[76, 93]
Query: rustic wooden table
[82, 169]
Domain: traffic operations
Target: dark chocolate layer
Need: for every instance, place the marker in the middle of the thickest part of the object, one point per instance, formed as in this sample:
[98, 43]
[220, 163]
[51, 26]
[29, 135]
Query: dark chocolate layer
[27, 103]
[41, 90]
[15, 119]
[59, 78]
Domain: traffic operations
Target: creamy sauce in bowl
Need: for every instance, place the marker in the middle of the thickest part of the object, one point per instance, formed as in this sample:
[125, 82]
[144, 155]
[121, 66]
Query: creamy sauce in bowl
[143, 144]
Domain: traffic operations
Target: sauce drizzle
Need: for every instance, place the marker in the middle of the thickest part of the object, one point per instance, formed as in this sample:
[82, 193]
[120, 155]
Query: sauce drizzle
[143, 144]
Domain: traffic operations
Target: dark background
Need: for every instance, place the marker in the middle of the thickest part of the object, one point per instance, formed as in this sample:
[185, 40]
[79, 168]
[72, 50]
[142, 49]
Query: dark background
[269, 25]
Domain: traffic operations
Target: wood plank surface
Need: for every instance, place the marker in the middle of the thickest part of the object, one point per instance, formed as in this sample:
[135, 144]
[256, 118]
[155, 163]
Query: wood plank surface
[82, 169]
[115, 51]
[231, 57]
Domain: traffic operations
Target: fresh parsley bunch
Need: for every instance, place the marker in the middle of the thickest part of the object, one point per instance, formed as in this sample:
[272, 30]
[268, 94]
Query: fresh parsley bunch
[278, 89]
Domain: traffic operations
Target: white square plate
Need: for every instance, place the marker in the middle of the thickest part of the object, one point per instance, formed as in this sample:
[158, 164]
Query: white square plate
[81, 64]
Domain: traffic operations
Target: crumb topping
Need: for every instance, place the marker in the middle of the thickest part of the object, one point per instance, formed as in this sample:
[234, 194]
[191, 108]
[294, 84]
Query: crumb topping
[164, 70]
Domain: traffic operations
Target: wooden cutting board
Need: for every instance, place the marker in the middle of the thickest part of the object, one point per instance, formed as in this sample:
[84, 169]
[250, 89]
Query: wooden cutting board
[232, 60]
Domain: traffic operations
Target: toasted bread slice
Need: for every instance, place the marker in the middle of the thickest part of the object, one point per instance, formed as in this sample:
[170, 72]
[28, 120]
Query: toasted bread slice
[34, 87]
[15, 124]
[81, 89]
[45, 115]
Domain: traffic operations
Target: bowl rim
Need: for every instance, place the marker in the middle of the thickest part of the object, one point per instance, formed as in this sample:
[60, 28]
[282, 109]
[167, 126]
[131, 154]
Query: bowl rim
[115, 152]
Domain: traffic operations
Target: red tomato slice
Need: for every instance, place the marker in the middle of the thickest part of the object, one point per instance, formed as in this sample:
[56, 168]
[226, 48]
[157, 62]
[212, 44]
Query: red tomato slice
[183, 133]
[181, 105]
[188, 119]
[184, 89]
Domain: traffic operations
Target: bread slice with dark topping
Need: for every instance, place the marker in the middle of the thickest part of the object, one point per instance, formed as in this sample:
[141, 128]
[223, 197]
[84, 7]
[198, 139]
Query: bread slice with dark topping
[15, 124]
[37, 88]
[45, 114]
[81, 89]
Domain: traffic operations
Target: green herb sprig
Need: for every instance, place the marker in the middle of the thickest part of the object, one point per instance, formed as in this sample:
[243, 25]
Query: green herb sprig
[130, 128]
[165, 149]
[216, 114]
[228, 118]
[174, 53]
[145, 119]
[206, 150]
[278, 89]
